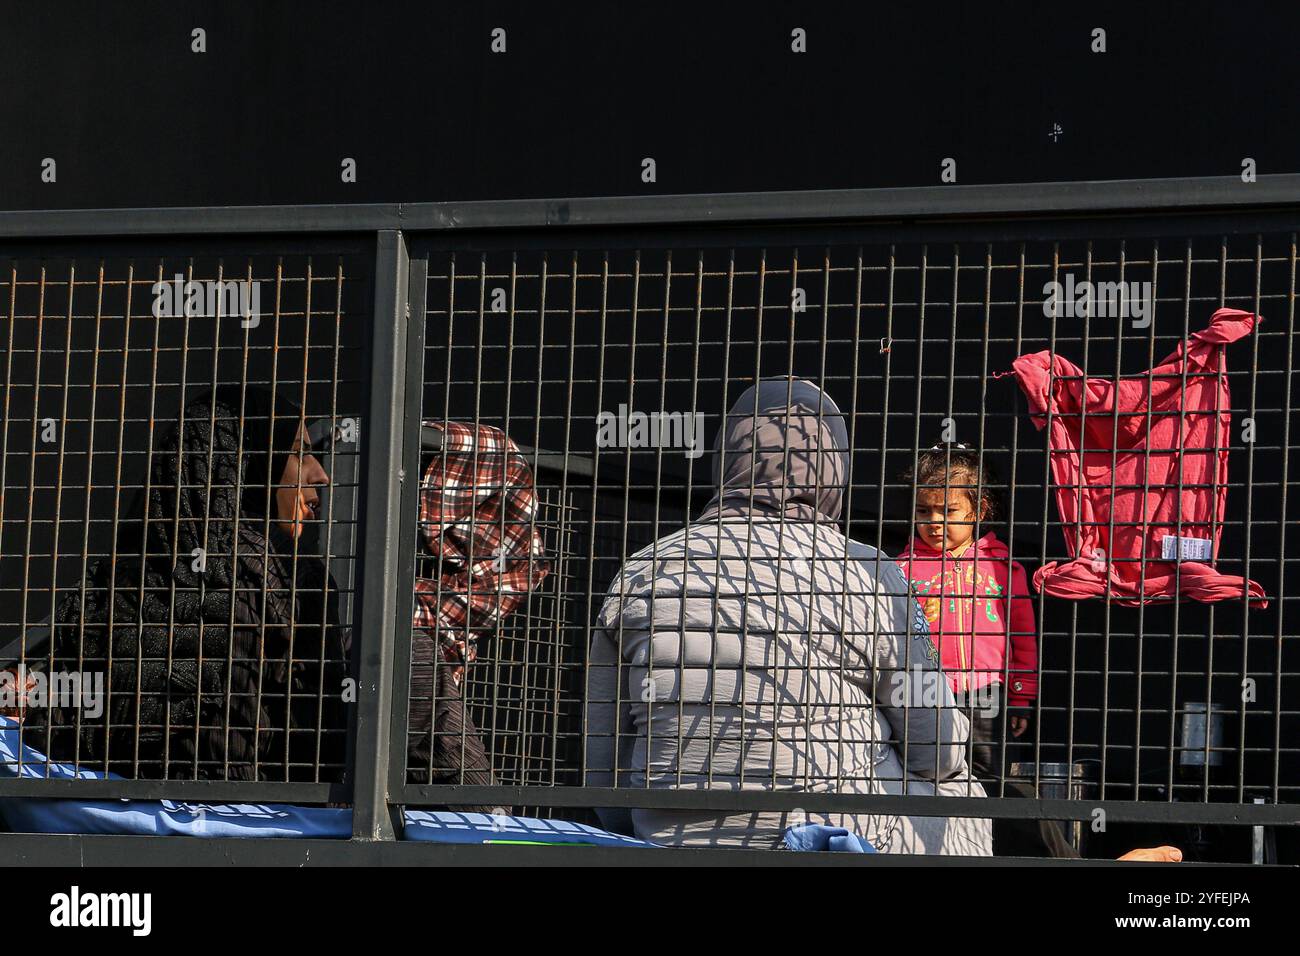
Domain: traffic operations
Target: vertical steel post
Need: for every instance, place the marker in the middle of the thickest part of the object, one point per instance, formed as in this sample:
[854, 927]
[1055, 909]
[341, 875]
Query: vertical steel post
[410, 422]
[382, 436]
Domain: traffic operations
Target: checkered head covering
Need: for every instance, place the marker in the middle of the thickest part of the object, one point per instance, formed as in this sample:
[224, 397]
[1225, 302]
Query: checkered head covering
[478, 519]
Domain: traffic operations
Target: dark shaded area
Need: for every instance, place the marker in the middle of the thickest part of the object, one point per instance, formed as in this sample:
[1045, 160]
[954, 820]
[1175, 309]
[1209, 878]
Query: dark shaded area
[585, 92]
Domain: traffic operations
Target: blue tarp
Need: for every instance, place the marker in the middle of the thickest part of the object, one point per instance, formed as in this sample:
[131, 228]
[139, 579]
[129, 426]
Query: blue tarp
[149, 817]
[167, 817]
[446, 826]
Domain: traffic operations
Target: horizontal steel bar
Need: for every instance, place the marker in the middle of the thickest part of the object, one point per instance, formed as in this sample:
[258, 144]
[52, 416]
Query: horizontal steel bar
[1119, 811]
[207, 791]
[809, 205]
[26, 849]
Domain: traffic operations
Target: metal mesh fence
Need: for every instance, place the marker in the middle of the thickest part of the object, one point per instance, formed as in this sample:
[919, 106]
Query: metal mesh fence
[179, 473]
[1172, 700]
[602, 371]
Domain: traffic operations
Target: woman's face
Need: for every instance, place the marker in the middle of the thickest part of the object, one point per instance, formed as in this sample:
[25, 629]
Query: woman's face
[296, 499]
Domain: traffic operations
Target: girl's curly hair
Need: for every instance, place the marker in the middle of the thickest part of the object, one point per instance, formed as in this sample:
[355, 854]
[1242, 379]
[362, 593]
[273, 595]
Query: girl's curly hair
[960, 468]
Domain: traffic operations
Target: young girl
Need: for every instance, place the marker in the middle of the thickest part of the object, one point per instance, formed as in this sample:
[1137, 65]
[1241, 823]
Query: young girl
[977, 602]
[981, 618]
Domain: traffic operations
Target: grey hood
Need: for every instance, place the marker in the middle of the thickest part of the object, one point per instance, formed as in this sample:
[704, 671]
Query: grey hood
[782, 450]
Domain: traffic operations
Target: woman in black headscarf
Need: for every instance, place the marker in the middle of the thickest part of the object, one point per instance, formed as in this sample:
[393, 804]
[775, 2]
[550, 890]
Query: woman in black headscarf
[220, 641]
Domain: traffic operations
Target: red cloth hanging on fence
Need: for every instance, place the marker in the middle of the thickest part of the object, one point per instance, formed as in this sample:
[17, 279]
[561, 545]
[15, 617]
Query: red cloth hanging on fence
[1149, 455]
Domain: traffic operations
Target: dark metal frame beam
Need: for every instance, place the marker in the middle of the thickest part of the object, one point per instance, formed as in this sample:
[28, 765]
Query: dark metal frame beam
[828, 205]
[19, 849]
[736, 801]
[380, 535]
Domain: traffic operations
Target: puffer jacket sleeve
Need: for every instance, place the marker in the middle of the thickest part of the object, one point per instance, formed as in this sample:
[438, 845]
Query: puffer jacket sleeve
[607, 711]
[908, 688]
[605, 694]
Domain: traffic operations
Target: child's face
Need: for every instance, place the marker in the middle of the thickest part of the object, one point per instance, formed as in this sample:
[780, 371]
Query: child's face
[945, 518]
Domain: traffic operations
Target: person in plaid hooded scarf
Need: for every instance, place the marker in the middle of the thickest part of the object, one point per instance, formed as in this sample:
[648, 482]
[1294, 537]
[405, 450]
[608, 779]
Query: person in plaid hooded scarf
[478, 525]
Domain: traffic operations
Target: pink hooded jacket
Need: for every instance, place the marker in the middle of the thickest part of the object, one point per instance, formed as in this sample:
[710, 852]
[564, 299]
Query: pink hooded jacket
[972, 617]
[1141, 471]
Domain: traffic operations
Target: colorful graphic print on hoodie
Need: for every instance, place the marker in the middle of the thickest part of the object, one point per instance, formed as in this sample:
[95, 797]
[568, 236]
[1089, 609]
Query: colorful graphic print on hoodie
[975, 617]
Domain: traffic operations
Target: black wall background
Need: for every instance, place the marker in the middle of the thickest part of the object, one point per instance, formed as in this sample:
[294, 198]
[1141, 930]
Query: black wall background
[585, 91]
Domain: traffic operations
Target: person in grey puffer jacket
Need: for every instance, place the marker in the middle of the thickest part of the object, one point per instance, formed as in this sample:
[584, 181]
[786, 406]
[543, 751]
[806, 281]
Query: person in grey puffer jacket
[759, 648]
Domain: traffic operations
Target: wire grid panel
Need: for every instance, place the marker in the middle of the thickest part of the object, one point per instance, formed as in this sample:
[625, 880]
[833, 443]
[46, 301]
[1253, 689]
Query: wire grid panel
[180, 618]
[1172, 700]
[516, 690]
